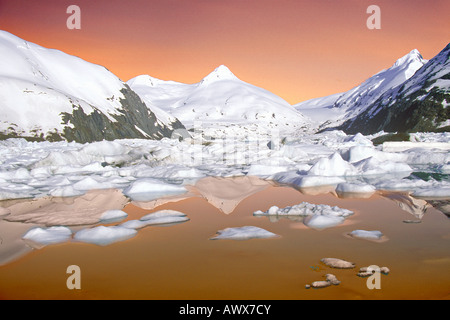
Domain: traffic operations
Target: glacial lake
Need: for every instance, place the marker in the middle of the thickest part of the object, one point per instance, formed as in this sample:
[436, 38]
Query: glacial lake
[180, 261]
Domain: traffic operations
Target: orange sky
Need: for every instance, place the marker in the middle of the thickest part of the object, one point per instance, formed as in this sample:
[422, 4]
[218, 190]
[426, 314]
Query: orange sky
[293, 48]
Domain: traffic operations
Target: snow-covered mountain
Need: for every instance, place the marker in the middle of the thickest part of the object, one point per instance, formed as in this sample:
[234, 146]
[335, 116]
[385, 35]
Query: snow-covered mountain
[333, 110]
[418, 104]
[48, 94]
[220, 97]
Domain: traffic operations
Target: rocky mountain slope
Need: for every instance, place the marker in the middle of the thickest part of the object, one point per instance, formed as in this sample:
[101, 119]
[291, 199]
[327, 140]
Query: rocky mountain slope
[46, 94]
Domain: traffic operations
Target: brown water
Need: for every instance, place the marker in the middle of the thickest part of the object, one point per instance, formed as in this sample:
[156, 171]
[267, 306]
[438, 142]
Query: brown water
[180, 262]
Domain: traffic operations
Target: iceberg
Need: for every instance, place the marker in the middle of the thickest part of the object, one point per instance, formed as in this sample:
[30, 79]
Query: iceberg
[355, 190]
[45, 236]
[148, 189]
[368, 235]
[162, 217]
[317, 216]
[243, 233]
[333, 166]
[103, 236]
[320, 222]
[113, 215]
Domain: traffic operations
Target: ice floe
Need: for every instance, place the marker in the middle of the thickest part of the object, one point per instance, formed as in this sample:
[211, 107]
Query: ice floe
[332, 166]
[113, 215]
[355, 190]
[317, 216]
[102, 235]
[44, 236]
[366, 234]
[148, 189]
[162, 217]
[320, 222]
[243, 233]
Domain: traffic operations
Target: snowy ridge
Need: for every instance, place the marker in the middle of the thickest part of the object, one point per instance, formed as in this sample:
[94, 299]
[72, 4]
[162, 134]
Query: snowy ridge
[418, 104]
[220, 97]
[39, 86]
[335, 109]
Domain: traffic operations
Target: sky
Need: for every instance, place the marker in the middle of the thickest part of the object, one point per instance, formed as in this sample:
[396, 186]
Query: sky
[296, 49]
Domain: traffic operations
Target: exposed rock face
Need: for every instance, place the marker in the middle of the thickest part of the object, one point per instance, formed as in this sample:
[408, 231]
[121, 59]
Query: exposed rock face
[135, 121]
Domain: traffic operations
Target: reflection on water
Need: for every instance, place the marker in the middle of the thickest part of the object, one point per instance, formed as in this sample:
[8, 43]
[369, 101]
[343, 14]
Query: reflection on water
[178, 261]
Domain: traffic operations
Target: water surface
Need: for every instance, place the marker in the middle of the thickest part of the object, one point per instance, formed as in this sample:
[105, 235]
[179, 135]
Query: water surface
[181, 262]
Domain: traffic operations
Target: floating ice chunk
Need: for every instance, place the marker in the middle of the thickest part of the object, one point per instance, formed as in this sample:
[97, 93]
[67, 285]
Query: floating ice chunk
[243, 233]
[45, 236]
[315, 181]
[134, 224]
[164, 217]
[150, 189]
[113, 215]
[160, 221]
[337, 263]
[306, 209]
[358, 153]
[103, 236]
[373, 166]
[333, 166]
[355, 190]
[368, 235]
[163, 214]
[355, 187]
[359, 139]
[320, 222]
[90, 183]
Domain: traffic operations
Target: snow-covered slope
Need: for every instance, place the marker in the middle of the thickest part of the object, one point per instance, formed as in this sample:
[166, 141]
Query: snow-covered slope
[338, 108]
[48, 94]
[220, 97]
[418, 104]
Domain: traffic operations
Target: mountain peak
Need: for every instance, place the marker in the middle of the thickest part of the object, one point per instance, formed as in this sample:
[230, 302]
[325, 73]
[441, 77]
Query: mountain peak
[145, 80]
[220, 73]
[413, 56]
